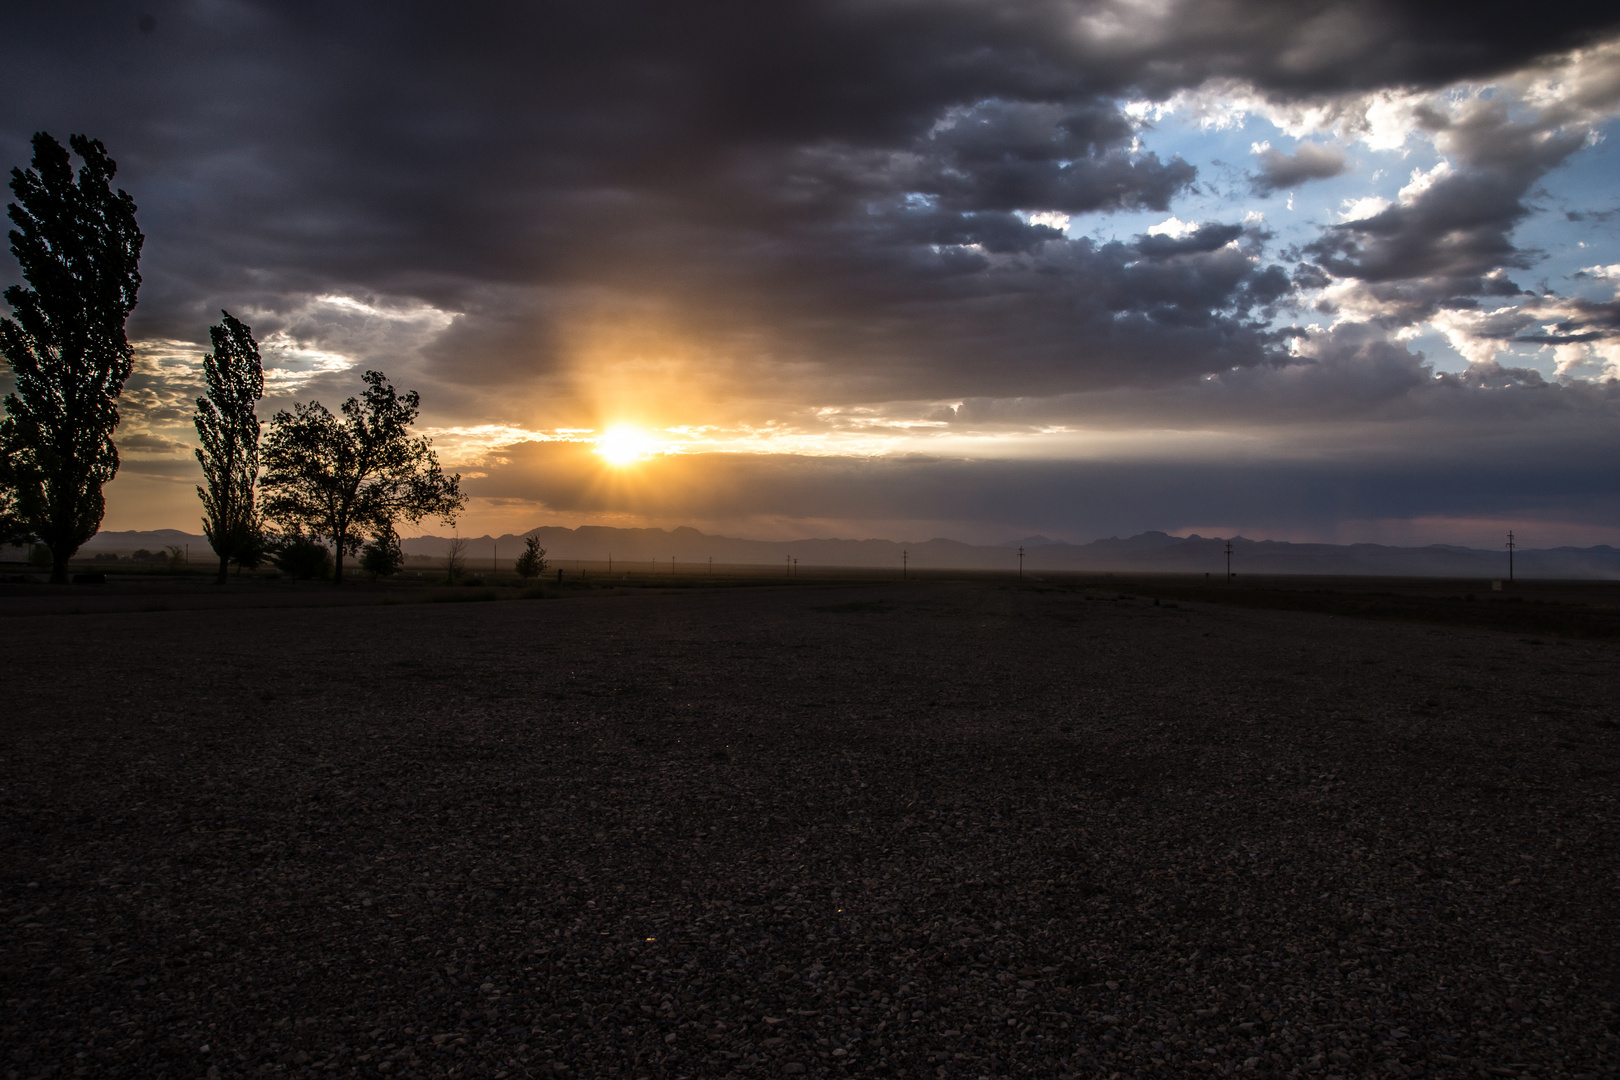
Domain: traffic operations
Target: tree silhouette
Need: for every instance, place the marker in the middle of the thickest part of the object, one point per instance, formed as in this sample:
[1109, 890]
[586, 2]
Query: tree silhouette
[14, 532]
[342, 478]
[229, 430]
[300, 556]
[78, 246]
[382, 557]
[252, 551]
[455, 560]
[532, 563]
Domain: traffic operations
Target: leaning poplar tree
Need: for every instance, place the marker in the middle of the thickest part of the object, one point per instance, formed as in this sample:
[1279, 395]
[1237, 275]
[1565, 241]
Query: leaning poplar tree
[343, 478]
[229, 430]
[78, 246]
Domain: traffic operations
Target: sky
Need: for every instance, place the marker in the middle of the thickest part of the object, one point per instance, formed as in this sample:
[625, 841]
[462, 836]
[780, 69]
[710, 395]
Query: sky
[982, 269]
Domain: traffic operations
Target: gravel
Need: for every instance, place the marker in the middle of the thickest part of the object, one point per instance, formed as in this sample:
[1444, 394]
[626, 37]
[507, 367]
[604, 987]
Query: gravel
[937, 830]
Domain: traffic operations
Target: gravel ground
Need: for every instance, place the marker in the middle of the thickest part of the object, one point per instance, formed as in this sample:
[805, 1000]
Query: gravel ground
[914, 831]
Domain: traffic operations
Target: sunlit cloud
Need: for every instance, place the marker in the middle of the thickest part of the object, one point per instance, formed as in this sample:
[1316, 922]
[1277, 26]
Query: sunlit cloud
[1173, 227]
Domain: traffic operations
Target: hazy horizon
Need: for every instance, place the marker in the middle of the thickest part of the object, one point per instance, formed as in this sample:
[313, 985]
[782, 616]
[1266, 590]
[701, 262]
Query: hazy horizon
[1009, 544]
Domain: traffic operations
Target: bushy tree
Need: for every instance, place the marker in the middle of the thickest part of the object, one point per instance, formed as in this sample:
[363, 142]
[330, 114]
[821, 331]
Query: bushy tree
[342, 478]
[78, 247]
[532, 563]
[382, 557]
[229, 430]
[300, 556]
[252, 551]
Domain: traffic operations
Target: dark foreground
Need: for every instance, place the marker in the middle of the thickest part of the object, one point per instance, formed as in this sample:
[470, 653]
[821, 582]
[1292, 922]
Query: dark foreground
[924, 831]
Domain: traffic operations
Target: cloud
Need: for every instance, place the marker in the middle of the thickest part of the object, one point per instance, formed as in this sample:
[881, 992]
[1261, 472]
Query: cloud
[999, 155]
[1448, 237]
[753, 215]
[915, 497]
[740, 149]
[143, 443]
[1311, 161]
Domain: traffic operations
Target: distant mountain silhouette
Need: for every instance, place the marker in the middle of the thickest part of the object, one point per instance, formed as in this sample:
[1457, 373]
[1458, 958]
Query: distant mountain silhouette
[1149, 552]
[151, 539]
[1030, 542]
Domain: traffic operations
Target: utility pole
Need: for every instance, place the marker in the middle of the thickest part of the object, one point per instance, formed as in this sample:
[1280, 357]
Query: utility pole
[904, 558]
[1229, 562]
[795, 569]
[1020, 564]
[789, 565]
[1510, 547]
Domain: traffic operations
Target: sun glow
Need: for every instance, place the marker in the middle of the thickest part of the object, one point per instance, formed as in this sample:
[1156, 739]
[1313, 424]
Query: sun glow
[624, 445]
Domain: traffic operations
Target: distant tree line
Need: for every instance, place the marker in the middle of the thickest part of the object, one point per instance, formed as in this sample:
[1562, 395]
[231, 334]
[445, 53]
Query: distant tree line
[315, 489]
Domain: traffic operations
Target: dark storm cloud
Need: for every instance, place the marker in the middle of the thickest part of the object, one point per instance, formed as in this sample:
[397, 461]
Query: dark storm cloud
[1335, 384]
[1008, 156]
[841, 181]
[1206, 238]
[1131, 313]
[1279, 171]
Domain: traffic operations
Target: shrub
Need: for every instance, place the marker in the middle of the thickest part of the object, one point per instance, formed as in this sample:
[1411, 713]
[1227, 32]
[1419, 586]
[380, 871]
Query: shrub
[302, 557]
[532, 563]
[381, 557]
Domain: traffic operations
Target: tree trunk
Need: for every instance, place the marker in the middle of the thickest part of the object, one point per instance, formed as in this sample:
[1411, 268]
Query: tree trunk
[224, 568]
[59, 569]
[337, 566]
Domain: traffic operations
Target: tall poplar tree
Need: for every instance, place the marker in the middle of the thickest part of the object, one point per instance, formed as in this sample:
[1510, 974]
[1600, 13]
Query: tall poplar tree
[78, 246]
[13, 531]
[229, 430]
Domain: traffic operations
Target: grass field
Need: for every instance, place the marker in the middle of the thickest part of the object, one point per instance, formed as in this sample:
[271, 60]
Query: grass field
[1574, 609]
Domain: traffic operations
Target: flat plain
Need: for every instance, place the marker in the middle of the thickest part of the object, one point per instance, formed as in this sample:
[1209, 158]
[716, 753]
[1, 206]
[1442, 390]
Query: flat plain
[921, 830]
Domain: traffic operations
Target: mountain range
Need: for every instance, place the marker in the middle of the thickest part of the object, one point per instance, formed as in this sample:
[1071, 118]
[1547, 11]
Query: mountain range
[1145, 552]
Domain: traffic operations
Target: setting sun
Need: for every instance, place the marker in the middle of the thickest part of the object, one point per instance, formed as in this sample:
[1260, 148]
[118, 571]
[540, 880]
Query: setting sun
[623, 445]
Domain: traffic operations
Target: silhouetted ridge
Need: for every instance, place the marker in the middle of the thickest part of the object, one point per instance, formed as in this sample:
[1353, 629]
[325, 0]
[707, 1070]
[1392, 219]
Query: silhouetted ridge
[1149, 551]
